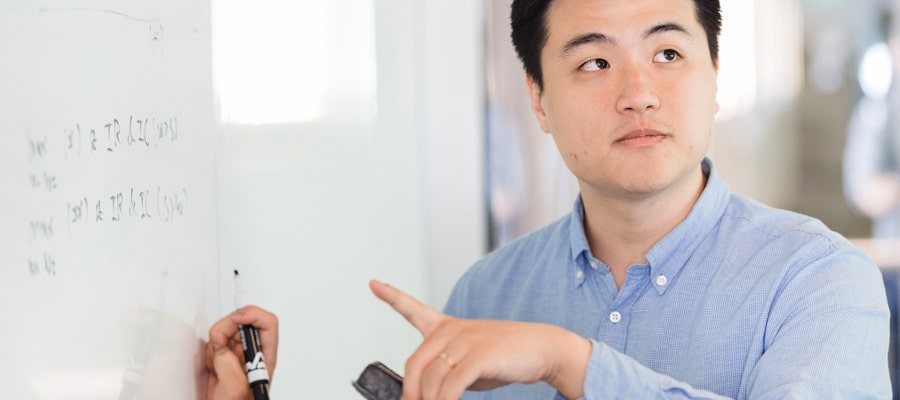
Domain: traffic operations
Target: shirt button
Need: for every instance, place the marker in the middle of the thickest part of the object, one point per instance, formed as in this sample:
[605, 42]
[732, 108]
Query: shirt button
[662, 280]
[615, 317]
[579, 275]
[594, 265]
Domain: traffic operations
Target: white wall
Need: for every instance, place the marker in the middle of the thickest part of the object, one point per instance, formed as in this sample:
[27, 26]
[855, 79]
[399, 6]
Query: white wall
[310, 212]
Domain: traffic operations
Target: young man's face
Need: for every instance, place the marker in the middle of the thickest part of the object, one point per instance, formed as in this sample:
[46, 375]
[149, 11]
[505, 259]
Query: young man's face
[629, 93]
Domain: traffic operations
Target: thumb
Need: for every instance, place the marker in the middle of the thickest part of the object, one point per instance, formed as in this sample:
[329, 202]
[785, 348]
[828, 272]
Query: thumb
[232, 382]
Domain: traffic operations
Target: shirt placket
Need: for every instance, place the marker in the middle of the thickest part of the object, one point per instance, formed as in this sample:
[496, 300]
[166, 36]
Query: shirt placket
[614, 324]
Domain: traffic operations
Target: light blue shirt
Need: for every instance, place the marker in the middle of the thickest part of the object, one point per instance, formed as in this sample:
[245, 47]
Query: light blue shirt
[740, 300]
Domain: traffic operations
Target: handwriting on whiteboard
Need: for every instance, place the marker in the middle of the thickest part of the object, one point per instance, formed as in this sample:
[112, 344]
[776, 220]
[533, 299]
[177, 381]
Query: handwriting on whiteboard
[61, 210]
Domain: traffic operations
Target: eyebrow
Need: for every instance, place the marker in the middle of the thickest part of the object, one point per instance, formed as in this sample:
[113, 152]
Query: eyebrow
[600, 38]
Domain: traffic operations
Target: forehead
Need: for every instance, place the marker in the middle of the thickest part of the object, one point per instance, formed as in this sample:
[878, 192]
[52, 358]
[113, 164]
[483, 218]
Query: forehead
[617, 18]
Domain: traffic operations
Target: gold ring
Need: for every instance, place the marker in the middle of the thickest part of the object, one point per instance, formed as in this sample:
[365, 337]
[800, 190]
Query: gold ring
[448, 359]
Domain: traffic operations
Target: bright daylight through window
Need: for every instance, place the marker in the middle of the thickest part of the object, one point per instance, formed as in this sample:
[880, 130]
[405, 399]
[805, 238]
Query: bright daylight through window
[283, 62]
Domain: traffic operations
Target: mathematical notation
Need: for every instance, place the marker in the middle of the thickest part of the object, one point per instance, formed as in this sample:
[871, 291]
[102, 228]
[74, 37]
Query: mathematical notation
[115, 135]
[45, 265]
[60, 203]
[157, 204]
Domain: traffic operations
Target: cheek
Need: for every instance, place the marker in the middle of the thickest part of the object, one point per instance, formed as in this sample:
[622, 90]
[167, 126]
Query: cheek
[570, 137]
[696, 102]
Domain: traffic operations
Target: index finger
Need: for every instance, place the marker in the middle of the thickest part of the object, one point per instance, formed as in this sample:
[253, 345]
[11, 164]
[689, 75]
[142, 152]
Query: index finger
[258, 317]
[421, 316]
[227, 327]
[265, 322]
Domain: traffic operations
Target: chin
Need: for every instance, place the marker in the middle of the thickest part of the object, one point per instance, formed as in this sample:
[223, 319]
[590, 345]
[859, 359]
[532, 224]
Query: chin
[643, 190]
[644, 183]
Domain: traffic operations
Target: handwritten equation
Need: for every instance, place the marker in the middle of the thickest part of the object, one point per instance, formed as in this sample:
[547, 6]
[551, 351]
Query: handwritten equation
[136, 205]
[117, 135]
[62, 210]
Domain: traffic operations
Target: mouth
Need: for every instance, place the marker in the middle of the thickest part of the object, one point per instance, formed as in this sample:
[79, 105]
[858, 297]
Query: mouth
[642, 137]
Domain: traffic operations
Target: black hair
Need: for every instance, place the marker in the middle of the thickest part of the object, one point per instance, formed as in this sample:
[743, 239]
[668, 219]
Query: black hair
[528, 19]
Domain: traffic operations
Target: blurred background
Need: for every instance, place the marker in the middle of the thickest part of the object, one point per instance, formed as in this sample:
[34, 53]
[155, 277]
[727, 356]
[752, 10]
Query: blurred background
[393, 139]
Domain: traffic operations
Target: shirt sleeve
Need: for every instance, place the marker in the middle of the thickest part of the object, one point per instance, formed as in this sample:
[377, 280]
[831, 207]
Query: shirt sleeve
[827, 337]
[827, 334]
[611, 374]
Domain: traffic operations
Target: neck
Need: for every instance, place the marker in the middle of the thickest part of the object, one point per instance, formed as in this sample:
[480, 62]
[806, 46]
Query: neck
[622, 229]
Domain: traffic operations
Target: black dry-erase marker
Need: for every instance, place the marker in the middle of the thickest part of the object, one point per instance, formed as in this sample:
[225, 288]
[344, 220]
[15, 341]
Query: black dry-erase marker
[257, 373]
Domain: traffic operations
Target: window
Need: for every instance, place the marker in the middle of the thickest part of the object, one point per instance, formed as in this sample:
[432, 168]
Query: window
[282, 62]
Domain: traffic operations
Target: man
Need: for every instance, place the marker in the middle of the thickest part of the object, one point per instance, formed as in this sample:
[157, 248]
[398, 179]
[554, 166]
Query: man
[660, 283]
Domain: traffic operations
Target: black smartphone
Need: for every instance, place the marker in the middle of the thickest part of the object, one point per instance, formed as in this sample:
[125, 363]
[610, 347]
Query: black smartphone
[378, 382]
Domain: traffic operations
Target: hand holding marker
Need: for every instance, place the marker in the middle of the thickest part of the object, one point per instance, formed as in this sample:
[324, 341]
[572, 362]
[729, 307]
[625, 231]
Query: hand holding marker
[253, 355]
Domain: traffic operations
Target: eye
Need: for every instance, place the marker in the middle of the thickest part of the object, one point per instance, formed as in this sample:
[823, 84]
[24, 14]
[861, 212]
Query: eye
[595, 65]
[666, 56]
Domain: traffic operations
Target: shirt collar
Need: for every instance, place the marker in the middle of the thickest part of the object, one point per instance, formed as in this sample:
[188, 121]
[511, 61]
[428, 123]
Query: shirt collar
[670, 254]
[577, 237]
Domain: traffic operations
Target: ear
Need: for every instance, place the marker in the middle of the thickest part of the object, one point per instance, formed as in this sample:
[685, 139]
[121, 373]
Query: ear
[537, 106]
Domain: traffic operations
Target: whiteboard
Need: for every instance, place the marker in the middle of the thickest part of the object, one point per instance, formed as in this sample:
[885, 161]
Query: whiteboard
[107, 212]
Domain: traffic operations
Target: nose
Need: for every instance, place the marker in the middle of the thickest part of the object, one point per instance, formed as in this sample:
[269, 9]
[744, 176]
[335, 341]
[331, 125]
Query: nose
[636, 92]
